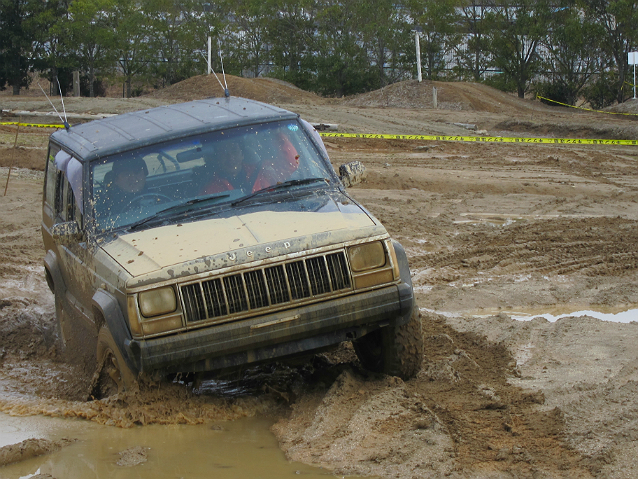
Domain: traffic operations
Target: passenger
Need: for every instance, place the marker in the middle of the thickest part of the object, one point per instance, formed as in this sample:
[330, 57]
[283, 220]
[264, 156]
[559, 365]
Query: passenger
[278, 168]
[228, 170]
[127, 182]
[231, 171]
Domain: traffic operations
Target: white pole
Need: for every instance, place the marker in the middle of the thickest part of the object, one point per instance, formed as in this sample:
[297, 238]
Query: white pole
[632, 59]
[418, 56]
[209, 50]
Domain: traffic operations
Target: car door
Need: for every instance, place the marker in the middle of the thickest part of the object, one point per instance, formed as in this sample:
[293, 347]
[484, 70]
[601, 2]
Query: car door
[71, 252]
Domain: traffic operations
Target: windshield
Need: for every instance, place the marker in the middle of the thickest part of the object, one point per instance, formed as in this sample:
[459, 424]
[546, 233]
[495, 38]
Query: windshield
[198, 172]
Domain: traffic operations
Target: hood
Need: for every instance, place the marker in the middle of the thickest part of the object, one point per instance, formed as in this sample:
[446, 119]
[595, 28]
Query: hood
[150, 250]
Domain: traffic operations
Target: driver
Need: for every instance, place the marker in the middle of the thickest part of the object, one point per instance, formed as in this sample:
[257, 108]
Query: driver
[128, 181]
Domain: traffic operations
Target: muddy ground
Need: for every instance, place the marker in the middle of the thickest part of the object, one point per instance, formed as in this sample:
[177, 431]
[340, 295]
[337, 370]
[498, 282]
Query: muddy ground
[489, 229]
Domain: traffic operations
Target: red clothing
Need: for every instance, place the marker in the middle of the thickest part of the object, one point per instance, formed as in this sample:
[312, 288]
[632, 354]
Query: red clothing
[279, 168]
[271, 171]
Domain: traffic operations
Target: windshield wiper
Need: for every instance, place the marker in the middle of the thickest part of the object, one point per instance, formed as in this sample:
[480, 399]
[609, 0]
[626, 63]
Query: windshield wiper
[280, 186]
[201, 199]
[171, 209]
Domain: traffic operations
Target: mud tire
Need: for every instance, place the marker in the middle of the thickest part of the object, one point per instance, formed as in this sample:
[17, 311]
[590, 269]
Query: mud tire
[393, 350]
[112, 376]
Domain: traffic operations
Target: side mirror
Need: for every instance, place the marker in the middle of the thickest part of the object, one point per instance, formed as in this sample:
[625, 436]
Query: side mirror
[66, 232]
[352, 173]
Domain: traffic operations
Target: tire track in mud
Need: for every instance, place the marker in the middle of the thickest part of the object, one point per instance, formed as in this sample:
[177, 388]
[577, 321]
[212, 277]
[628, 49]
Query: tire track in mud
[495, 426]
[587, 246]
[459, 417]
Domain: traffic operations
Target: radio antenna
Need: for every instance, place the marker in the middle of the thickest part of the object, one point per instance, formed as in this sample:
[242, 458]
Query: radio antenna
[66, 125]
[218, 80]
[219, 50]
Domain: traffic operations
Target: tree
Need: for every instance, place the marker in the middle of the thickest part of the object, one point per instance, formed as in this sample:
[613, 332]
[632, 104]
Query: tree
[574, 54]
[178, 33]
[291, 33]
[386, 34]
[53, 50]
[342, 63]
[131, 41]
[619, 20]
[16, 40]
[437, 20]
[249, 49]
[90, 29]
[516, 30]
[472, 57]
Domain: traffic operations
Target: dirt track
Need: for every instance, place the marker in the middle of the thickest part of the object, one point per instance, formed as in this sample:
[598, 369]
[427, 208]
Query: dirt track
[490, 229]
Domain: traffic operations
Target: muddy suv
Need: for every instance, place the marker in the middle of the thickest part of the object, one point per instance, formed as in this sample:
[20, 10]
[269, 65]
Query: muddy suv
[212, 235]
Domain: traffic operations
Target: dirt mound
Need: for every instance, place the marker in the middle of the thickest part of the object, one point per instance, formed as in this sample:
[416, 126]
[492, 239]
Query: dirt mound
[630, 106]
[450, 96]
[267, 90]
[30, 448]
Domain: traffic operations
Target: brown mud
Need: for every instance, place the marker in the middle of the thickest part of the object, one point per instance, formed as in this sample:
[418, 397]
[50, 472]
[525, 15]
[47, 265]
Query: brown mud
[487, 227]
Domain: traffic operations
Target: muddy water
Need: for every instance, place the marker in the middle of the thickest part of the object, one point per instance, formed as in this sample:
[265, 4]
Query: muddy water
[229, 449]
[616, 315]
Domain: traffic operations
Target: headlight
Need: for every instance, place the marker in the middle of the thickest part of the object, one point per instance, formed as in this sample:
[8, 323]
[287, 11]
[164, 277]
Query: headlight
[366, 256]
[157, 301]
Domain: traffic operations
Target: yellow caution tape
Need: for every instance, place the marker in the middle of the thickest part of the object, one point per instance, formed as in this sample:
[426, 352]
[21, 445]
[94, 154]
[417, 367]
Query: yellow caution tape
[37, 125]
[486, 139]
[483, 139]
[587, 109]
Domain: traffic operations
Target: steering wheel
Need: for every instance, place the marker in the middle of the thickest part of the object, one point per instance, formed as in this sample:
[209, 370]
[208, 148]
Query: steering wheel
[138, 200]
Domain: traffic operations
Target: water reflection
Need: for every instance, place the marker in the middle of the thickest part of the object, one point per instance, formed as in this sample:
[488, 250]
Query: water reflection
[552, 314]
[620, 317]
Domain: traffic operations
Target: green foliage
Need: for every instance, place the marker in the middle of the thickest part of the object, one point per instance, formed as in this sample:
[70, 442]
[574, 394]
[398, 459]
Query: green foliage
[291, 34]
[553, 91]
[501, 82]
[516, 30]
[177, 31]
[473, 60]
[246, 47]
[601, 93]
[618, 19]
[90, 29]
[439, 35]
[17, 32]
[573, 44]
[333, 47]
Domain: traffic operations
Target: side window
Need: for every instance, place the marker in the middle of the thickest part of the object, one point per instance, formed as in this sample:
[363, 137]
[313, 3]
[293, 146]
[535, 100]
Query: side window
[66, 208]
[58, 205]
[49, 188]
[63, 190]
[70, 204]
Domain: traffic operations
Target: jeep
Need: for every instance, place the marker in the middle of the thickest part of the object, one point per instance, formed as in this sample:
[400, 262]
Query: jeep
[214, 235]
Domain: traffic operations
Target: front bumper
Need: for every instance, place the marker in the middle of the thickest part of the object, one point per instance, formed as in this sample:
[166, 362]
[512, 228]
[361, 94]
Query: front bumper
[275, 335]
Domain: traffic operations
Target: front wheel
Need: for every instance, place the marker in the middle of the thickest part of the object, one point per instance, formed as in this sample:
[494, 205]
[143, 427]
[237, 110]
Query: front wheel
[393, 350]
[113, 375]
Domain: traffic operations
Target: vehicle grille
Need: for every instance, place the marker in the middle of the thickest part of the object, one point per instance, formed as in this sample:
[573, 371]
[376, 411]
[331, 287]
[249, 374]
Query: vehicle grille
[260, 288]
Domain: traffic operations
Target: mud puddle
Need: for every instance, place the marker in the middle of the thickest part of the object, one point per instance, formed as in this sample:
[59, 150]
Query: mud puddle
[226, 449]
[617, 317]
